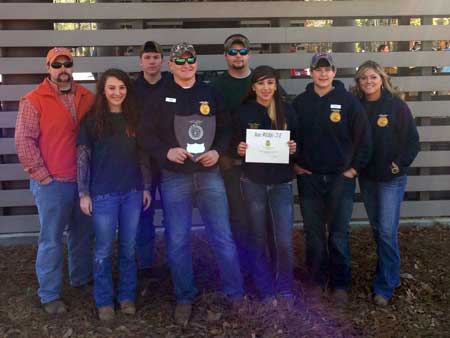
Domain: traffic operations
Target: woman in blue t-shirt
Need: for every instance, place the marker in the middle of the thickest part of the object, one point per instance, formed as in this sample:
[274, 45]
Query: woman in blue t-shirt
[395, 146]
[267, 187]
[110, 186]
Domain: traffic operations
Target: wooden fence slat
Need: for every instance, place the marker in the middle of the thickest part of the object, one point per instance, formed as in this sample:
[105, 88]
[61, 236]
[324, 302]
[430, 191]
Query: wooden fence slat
[222, 10]
[8, 118]
[16, 198]
[12, 172]
[7, 146]
[410, 209]
[208, 36]
[36, 65]
[292, 86]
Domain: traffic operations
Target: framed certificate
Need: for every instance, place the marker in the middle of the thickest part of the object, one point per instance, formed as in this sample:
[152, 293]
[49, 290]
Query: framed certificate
[267, 146]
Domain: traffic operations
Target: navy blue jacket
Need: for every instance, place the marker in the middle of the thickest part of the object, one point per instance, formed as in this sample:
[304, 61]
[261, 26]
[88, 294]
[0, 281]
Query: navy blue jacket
[395, 137]
[156, 131]
[252, 115]
[333, 131]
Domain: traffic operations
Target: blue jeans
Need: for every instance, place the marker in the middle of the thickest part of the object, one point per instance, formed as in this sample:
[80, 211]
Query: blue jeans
[145, 238]
[59, 207]
[238, 214]
[179, 191]
[326, 202]
[382, 201]
[276, 201]
[109, 212]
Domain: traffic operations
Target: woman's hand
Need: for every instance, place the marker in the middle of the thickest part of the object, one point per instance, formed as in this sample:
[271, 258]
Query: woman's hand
[146, 199]
[241, 149]
[301, 171]
[86, 205]
[350, 173]
[292, 147]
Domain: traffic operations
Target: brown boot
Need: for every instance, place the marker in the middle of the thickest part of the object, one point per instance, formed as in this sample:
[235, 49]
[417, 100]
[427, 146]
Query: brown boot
[106, 313]
[182, 314]
[55, 307]
[127, 307]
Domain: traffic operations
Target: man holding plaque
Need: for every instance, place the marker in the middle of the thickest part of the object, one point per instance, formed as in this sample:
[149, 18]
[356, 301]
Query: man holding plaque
[186, 129]
[334, 144]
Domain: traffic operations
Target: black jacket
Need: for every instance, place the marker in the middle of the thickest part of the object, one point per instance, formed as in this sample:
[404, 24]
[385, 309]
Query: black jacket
[333, 131]
[156, 132]
[252, 115]
[395, 137]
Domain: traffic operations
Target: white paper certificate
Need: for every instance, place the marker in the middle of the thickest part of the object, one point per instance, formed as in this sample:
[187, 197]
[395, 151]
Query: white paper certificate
[267, 146]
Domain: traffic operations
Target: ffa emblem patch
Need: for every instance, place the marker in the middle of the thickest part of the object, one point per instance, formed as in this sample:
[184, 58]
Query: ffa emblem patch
[195, 132]
[204, 108]
[382, 121]
[267, 143]
[253, 125]
[335, 116]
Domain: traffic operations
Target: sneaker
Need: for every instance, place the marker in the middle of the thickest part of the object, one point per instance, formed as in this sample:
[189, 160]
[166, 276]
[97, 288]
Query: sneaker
[106, 313]
[127, 307]
[340, 296]
[182, 314]
[55, 307]
[380, 301]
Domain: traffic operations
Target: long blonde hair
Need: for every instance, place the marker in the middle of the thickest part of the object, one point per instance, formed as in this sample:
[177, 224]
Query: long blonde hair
[385, 79]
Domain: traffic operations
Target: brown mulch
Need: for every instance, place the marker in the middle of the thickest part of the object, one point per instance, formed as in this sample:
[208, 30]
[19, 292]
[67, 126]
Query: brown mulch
[420, 307]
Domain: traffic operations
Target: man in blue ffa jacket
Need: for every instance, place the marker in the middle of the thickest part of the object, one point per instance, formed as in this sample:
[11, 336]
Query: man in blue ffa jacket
[190, 173]
[334, 144]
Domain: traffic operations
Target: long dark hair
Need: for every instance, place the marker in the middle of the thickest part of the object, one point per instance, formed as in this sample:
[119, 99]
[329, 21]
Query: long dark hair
[100, 112]
[267, 72]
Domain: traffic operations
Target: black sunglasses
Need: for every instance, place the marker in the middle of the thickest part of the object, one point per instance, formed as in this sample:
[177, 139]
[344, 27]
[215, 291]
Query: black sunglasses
[181, 61]
[235, 51]
[57, 65]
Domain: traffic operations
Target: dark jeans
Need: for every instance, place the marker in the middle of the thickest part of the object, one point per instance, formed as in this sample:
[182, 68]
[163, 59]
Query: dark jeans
[179, 192]
[145, 238]
[382, 201]
[326, 202]
[275, 200]
[238, 214]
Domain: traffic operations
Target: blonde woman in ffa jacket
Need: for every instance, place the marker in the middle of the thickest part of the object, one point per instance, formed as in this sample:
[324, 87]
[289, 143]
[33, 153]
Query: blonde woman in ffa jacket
[383, 181]
[267, 187]
[334, 145]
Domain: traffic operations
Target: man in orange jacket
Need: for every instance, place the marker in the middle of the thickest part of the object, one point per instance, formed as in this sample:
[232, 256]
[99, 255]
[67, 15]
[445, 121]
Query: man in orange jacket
[46, 130]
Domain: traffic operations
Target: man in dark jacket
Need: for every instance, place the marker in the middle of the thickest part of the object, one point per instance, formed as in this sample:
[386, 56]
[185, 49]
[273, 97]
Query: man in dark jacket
[189, 173]
[334, 144]
[149, 80]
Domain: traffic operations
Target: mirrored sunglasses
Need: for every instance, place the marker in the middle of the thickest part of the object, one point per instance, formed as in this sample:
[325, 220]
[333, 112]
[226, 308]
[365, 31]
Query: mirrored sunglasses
[181, 61]
[235, 51]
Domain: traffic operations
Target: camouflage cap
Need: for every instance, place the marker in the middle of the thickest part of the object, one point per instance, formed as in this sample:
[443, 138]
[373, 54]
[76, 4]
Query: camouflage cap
[236, 38]
[180, 48]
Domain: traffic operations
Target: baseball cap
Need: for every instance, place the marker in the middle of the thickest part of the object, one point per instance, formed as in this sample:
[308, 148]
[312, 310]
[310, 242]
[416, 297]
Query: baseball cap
[236, 38]
[322, 56]
[180, 48]
[152, 46]
[58, 51]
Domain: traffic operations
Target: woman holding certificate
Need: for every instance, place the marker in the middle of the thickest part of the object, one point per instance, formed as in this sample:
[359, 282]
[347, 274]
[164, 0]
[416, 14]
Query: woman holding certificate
[383, 181]
[263, 127]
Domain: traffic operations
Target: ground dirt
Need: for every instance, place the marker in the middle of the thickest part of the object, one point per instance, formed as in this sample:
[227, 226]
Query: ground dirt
[420, 307]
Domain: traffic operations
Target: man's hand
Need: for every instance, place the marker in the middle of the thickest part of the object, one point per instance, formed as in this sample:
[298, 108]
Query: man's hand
[146, 199]
[47, 180]
[178, 155]
[301, 171]
[242, 148]
[350, 173]
[209, 158]
[86, 205]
